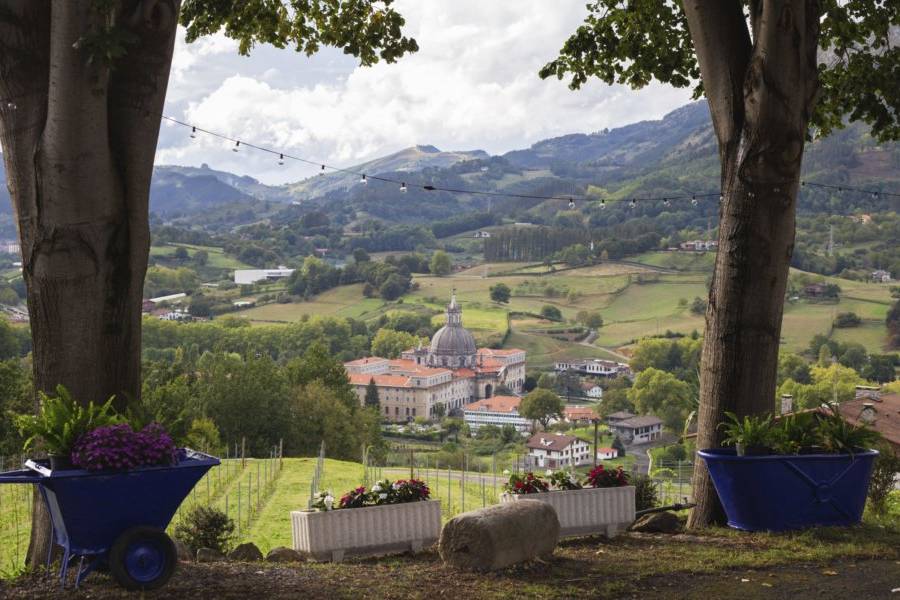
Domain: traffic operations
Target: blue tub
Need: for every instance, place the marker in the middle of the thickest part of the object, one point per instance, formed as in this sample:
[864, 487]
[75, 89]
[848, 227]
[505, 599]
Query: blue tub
[784, 492]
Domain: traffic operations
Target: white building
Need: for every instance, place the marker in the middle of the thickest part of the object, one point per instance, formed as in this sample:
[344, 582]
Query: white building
[170, 299]
[10, 247]
[881, 276]
[248, 276]
[606, 453]
[499, 411]
[593, 391]
[637, 430]
[482, 234]
[556, 450]
[596, 366]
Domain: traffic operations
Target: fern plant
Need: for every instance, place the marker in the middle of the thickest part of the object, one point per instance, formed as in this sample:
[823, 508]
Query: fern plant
[61, 421]
[753, 432]
[796, 433]
[839, 436]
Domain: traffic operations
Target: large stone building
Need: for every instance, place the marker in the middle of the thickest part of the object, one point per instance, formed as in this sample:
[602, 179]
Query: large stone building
[451, 371]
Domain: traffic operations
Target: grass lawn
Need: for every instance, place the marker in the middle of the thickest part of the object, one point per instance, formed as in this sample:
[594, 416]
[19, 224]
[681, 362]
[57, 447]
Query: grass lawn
[343, 301]
[217, 257]
[872, 335]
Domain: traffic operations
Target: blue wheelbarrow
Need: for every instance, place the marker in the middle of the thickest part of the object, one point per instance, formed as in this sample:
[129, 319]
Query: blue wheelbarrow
[116, 520]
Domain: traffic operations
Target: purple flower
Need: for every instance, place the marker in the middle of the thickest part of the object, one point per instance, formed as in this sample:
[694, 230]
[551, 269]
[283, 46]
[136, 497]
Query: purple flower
[120, 447]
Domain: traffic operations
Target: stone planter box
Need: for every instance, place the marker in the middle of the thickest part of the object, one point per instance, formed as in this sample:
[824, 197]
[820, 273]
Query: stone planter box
[389, 529]
[587, 511]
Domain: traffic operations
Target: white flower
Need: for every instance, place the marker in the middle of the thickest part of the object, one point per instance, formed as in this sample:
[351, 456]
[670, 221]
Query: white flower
[382, 496]
[396, 486]
[506, 471]
[549, 472]
[329, 502]
[376, 487]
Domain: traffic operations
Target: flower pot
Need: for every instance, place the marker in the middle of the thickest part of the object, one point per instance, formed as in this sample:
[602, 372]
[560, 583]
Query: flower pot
[587, 511]
[372, 530]
[783, 492]
[61, 462]
[743, 450]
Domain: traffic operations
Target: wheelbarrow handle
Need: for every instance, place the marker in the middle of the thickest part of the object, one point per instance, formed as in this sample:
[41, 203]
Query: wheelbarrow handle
[21, 476]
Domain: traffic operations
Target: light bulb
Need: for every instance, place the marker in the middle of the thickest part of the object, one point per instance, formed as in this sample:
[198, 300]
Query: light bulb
[571, 204]
[281, 159]
[694, 199]
[11, 105]
[633, 203]
[721, 197]
[193, 133]
[403, 186]
[875, 194]
[666, 202]
[236, 146]
[602, 203]
[322, 170]
[363, 179]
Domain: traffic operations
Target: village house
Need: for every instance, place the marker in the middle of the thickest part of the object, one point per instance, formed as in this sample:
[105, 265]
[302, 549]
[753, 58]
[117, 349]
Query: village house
[499, 411]
[699, 245]
[592, 390]
[607, 453]
[556, 450]
[638, 430]
[615, 417]
[451, 371]
[596, 366]
[482, 234]
[881, 276]
[579, 414]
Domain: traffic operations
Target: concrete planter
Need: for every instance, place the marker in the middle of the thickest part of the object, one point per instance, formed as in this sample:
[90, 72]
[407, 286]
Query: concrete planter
[587, 511]
[389, 529]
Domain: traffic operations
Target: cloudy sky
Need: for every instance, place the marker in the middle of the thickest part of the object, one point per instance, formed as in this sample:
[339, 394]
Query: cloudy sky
[472, 85]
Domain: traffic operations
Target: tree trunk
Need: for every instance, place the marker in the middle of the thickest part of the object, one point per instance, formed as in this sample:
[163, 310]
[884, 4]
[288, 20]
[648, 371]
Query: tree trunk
[79, 148]
[761, 99]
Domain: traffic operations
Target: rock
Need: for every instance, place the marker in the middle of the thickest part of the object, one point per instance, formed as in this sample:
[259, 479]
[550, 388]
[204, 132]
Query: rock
[661, 522]
[207, 555]
[501, 535]
[183, 552]
[284, 555]
[246, 553]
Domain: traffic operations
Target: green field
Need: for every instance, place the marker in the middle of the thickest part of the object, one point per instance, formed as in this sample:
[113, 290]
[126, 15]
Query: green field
[217, 257]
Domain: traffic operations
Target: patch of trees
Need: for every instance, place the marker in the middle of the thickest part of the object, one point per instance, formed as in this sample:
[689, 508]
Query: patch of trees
[398, 237]
[162, 281]
[847, 319]
[893, 325]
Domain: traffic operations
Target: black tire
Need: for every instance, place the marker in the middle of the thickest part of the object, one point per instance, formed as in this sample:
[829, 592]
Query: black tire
[143, 558]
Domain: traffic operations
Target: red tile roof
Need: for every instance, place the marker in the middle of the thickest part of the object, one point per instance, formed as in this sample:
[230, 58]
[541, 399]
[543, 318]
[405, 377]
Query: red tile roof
[507, 404]
[555, 442]
[886, 419]
[380, 380]
[363, 361]
[579, 412]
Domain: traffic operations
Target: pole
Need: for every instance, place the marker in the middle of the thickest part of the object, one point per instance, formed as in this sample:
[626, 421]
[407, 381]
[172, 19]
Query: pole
[243, 452]
[596, 439]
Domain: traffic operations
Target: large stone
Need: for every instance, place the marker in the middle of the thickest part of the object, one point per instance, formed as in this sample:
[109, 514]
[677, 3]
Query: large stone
[246, 553]
[661, 522]
[206, 555]
[284, 555]
[499, 536]
[183, 552]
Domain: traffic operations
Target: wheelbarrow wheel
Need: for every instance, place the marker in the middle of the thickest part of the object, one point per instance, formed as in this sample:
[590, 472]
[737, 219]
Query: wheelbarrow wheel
[143, 558]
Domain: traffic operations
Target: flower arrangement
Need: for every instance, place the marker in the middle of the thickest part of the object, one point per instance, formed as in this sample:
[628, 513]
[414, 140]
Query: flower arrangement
[119, 447]
[601, 478]
[385, 492]
[529, 483]
[563, 480]
[323, 501]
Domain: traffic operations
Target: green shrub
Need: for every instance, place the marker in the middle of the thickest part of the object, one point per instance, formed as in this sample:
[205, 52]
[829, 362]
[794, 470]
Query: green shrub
[887, 465]
[644, 492]
[206, 527]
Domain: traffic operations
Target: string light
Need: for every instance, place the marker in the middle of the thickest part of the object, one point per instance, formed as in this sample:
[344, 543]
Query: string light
[364, 178]
[11, 105]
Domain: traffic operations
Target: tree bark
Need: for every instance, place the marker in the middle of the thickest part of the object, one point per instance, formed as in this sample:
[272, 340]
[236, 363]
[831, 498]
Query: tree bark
[761, 135]
[79, 150]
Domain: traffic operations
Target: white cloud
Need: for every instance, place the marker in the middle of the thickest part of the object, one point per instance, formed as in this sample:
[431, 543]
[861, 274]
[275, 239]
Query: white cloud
[473, 84]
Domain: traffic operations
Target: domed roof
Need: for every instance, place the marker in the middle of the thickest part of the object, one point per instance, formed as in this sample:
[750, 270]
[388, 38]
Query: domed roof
[452, 340]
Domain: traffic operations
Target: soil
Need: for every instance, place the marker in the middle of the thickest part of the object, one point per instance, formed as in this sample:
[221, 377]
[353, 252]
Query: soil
[591, 568]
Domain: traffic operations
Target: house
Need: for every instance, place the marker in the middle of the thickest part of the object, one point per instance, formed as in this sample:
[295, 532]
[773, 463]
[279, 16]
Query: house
[596, 366]
[248, 276]
[170, 299]
[638, 430]
[615, 417]
[499, 411]
[239, 304]
[881, 414]
[699, 245]
[814, 290]
[881, 276]
[10, 247]
[579, 414]
[606, 453]
[592, 390]
[482, 234]
[556, 450]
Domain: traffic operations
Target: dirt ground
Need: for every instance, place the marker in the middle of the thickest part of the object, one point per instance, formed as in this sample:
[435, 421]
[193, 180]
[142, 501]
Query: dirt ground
[632, 566]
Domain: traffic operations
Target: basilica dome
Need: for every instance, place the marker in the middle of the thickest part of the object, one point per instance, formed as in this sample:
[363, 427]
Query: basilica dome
[452, 340]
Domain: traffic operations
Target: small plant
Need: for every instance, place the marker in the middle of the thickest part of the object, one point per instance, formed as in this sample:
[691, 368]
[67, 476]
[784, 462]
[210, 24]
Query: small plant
[752, 435]
[61, 421]
[410, 490]
[796, 434]
[599, 477]
[563, 480]
[356, 498]
[529, 483]
[323, 501]
[206, 527]
[885, 469]
[645, 495]
[839, 436]
[119, 447]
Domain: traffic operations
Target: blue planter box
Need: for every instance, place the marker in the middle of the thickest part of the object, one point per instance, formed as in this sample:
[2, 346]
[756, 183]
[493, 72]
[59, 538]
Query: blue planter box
[783, 492]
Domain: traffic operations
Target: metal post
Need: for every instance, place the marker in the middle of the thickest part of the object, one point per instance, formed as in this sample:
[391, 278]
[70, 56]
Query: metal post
[483, 499]
[239, 509]
[462, 481]
[243, 452]
[449, 490]
[596, 438]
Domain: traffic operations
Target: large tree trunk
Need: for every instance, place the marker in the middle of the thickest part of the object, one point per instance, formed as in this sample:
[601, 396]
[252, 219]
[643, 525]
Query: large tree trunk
[761, 96]
[79, 148]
